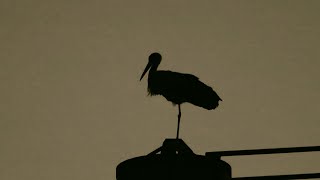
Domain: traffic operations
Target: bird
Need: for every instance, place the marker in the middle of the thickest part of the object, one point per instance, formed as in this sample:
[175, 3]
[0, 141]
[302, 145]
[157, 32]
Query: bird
[178, 88]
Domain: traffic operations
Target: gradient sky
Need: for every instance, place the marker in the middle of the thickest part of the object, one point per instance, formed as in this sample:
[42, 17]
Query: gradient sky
[72, 105]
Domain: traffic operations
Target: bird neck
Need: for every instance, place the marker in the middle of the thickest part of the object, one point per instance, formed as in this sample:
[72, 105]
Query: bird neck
[153, 68]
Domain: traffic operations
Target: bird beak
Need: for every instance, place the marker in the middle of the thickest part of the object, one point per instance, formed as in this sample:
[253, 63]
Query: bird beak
[145, 70]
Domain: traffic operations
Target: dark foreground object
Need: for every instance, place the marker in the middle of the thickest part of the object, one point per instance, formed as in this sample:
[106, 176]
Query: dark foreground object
[173, 161]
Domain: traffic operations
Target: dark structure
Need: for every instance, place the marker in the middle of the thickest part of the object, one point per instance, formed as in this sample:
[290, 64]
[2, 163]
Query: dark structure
[173, 161]
[179, 88]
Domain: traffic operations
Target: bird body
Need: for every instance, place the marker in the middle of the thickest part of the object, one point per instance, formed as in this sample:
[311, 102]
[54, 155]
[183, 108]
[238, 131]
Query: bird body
[179, 87]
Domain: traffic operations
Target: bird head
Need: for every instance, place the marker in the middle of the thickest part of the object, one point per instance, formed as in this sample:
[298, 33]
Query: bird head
[154, 61]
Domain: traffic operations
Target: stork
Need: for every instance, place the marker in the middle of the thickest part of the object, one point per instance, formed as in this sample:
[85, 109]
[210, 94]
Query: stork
[178, 87]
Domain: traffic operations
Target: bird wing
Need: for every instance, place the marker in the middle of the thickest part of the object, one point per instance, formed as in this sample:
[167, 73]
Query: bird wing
[180, 87]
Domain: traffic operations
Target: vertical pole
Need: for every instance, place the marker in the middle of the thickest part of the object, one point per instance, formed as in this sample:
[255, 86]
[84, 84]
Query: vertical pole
[179, 116]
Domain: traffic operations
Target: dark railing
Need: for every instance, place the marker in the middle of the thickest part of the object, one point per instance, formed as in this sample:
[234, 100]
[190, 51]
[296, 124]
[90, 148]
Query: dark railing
[282, 177]
[264, 151]
[270, 151]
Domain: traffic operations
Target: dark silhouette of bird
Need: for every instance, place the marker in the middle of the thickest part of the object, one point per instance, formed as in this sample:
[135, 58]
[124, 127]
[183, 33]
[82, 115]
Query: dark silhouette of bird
[178, 87]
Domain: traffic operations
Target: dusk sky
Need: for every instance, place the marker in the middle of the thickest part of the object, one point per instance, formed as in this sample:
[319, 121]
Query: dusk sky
[72, 105]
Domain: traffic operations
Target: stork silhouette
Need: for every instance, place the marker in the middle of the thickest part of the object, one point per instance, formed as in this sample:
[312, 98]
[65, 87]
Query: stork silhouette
[178, 87]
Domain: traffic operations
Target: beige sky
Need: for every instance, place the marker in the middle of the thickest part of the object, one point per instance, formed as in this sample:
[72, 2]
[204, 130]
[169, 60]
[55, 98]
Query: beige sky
[72, 106]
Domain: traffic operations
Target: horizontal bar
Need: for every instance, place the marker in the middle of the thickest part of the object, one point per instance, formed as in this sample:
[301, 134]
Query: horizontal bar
[281, 177]
[264, 151]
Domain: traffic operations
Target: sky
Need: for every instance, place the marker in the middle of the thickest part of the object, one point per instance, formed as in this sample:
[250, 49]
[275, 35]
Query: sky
[72, 105]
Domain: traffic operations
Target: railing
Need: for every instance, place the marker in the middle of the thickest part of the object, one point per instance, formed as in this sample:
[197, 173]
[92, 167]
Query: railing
[219, 154]
[282, 177]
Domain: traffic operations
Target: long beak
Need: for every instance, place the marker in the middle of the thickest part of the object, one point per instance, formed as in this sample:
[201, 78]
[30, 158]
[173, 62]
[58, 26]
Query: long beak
[145, 70]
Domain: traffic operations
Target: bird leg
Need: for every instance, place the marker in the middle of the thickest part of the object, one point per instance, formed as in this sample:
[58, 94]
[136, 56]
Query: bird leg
[179, 116]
